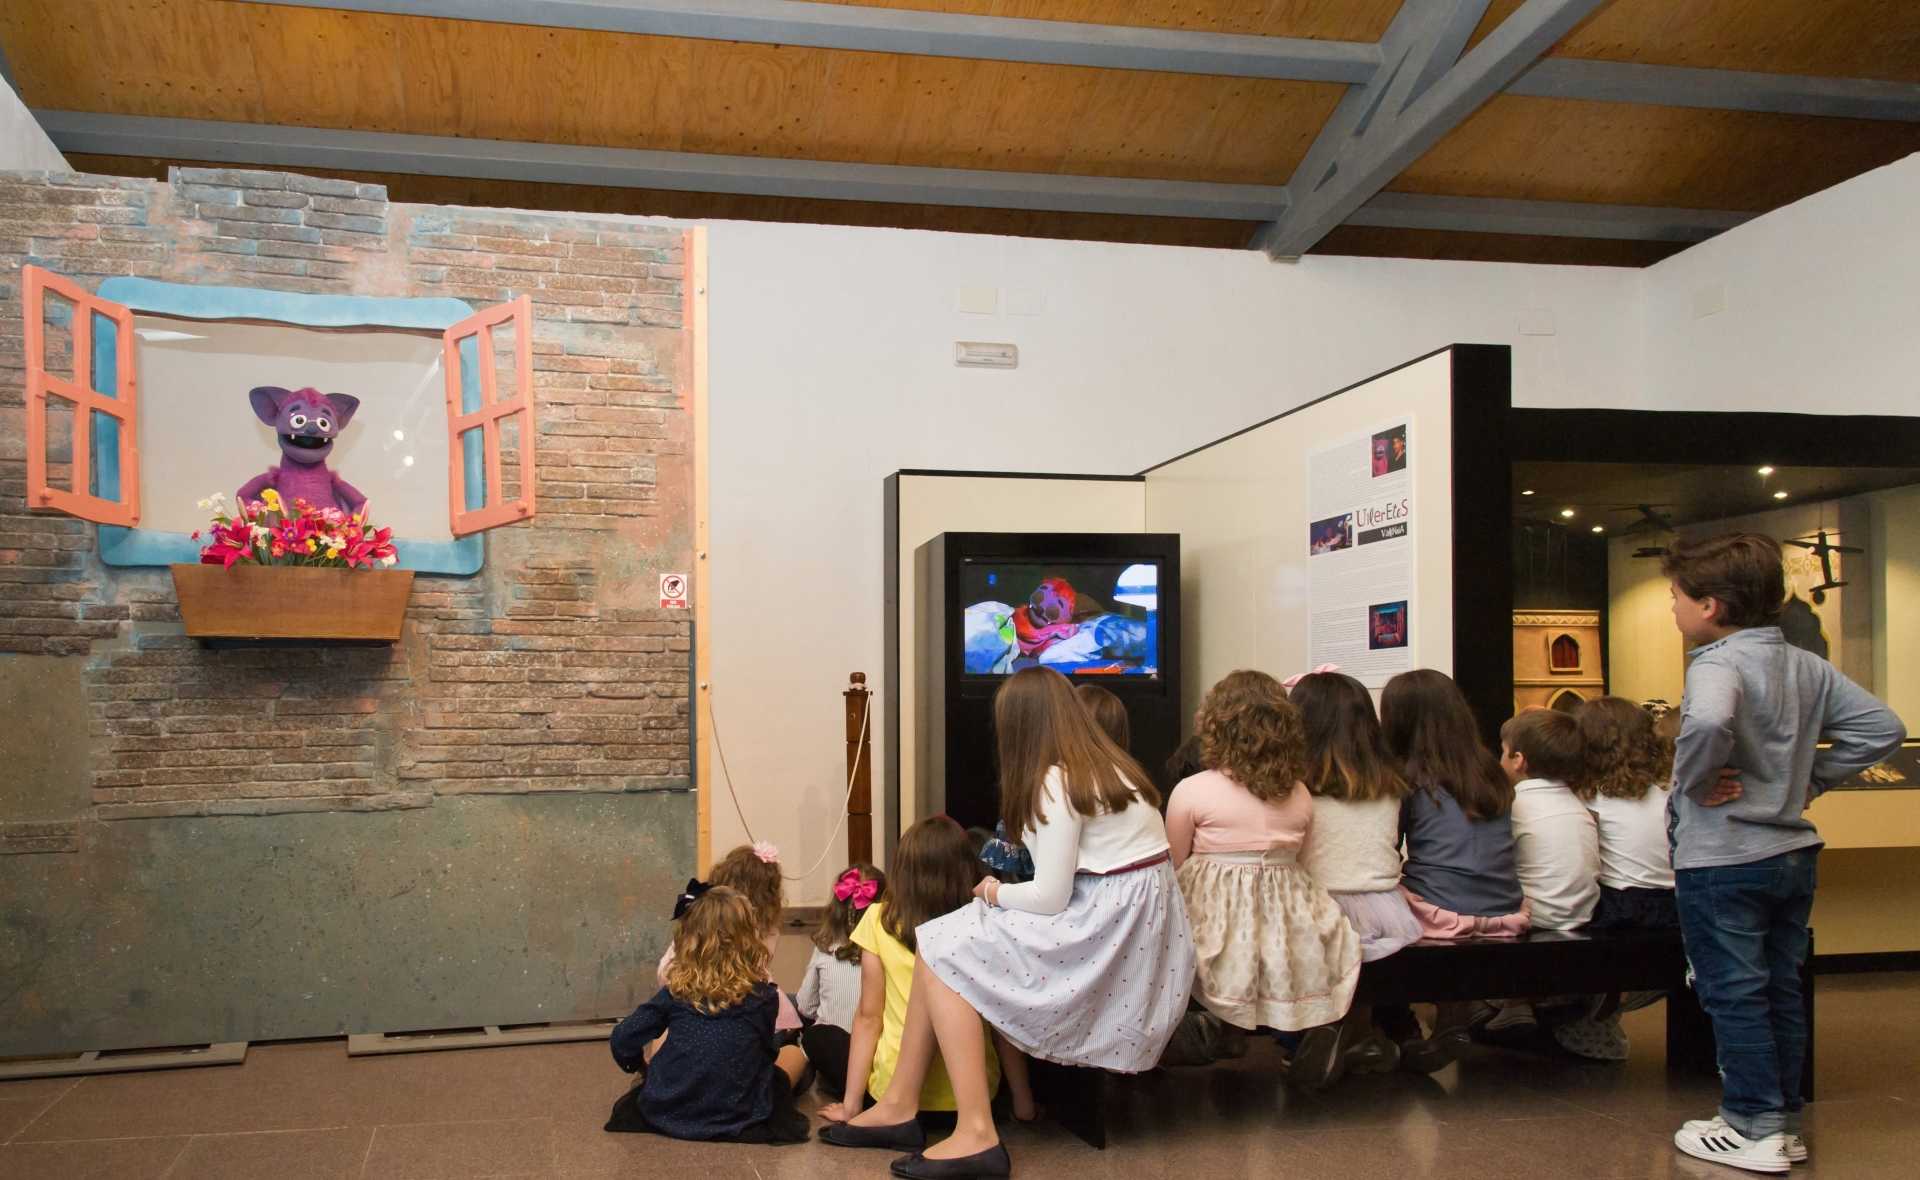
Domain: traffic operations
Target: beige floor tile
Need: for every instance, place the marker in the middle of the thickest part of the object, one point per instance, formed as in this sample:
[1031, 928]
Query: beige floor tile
[91, 1159]
[456, 1151]
[335, 1153]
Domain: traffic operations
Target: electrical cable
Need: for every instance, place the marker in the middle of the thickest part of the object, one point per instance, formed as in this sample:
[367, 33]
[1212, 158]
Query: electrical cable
[726, 776]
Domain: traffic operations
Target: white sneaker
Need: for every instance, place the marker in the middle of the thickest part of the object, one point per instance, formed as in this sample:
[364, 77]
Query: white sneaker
[1722, 1144]
[1796, 1146]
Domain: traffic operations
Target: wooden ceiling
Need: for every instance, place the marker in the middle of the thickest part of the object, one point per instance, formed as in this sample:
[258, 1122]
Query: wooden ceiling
[306, 67]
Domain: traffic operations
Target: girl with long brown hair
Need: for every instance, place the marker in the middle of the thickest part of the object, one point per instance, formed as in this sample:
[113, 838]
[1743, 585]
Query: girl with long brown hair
[1273, 949]
[1088, 964]
[934, 873]
[719, 1076]
[1354, 848]
[1459, 877]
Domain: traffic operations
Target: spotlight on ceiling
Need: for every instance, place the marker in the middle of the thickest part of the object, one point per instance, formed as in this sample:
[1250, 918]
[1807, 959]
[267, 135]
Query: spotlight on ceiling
[1766, 471]
[1527, 492]
[1567, 512]
[1599, 528]
[1781, 495]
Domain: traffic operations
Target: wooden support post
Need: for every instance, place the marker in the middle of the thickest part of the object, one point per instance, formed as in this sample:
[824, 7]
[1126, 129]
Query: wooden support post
[859, 769]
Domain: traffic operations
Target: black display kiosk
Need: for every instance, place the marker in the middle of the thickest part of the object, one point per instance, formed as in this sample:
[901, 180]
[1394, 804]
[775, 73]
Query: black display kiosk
[955, 729]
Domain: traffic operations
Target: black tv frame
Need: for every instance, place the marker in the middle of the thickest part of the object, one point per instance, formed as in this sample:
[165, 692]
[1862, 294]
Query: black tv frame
[963, 783]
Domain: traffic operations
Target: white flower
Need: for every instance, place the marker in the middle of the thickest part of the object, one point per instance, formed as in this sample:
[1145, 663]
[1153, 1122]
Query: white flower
[389, 559]
[205, 505]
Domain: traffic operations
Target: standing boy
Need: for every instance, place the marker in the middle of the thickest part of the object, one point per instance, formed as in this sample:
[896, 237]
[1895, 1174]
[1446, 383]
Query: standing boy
[1743, 856]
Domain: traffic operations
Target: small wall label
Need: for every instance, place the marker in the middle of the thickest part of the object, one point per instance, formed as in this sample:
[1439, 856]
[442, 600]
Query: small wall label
[673, 591]
[976, 354]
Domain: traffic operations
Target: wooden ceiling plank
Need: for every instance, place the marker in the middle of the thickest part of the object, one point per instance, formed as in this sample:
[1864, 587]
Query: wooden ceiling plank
[1544, 149]
[894, 30]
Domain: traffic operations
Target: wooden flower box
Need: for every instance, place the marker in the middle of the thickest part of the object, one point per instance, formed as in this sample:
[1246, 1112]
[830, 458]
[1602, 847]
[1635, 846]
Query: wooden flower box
[292, 603]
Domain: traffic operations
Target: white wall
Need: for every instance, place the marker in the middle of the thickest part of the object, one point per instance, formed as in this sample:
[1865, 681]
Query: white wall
[1241, 510]
[23, 146]
[832, 367]
[1821, 302]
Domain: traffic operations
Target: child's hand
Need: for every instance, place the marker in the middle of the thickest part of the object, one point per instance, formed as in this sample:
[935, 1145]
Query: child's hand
[1725, 790]
[837, 1112]
[988, 890]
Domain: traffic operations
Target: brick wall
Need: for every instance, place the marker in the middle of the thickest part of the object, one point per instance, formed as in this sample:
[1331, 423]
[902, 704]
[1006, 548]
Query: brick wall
[549, 671]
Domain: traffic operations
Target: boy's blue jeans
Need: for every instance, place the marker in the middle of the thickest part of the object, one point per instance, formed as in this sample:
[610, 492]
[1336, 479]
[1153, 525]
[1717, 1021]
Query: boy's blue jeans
[1745, 928]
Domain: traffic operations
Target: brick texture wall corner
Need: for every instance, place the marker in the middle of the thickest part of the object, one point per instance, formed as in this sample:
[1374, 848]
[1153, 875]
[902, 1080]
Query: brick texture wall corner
[552, 670]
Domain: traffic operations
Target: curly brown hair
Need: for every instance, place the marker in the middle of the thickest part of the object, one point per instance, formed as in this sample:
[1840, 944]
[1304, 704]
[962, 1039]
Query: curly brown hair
[1251, 733]
[1626, 756]
[835, 936]
[719, 956]
[759, 880]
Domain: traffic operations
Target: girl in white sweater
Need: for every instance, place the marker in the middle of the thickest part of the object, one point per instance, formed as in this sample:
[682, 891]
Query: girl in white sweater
[1353, 849]
[1090, 963]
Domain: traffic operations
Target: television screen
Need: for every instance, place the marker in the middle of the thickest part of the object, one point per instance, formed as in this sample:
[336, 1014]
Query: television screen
[1080, 618]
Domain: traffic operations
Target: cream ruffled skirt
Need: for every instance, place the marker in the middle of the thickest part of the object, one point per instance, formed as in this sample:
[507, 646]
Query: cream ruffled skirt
[1273, 949]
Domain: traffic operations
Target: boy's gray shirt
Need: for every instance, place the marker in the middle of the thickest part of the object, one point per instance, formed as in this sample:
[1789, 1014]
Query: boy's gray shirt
[1758, 704]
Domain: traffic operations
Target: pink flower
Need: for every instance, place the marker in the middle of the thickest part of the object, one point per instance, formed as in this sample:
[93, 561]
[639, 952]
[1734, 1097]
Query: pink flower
[767, 853]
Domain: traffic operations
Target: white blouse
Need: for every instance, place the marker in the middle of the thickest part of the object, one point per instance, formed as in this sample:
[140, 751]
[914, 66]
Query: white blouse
[1067, 842]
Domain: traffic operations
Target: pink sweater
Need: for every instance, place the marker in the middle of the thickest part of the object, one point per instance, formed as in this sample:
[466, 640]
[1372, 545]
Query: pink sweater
[1211, 813]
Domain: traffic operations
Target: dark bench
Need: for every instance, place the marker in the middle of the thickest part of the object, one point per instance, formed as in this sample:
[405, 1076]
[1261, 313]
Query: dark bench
[1546, 963]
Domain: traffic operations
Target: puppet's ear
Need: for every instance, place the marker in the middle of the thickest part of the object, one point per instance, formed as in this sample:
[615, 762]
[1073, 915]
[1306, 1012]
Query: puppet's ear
[267, 400]
[343, 406]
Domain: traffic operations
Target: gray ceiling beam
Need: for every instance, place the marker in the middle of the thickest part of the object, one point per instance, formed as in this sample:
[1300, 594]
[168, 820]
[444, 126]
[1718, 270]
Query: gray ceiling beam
[254, 145]
[1381, 128]
[925, 34]
[261, 145]
[1559, 219]
[1720, 90]
[1179, 51]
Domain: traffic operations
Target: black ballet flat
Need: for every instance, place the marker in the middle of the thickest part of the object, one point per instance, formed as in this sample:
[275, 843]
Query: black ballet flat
[991, 1164]
[907, 1136]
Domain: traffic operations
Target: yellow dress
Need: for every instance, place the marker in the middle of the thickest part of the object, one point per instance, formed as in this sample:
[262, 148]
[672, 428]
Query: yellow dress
[896, 961]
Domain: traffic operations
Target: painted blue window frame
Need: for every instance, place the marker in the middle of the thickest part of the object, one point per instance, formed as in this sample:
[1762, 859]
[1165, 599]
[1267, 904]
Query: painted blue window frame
[136, 546]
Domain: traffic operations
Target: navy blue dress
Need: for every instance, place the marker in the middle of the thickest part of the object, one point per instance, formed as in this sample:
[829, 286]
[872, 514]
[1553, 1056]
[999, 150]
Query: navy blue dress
[715, 1076]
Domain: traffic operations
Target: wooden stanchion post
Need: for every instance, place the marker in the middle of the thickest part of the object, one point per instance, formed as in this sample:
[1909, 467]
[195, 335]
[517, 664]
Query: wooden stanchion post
[859, 769]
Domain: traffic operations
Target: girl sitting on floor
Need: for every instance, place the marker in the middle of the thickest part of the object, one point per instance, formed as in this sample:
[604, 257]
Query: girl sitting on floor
[934, 873]
[1088, 964]
[830, 989]
[720, 1074]
[1273, 949]
[753, 870]
[1459, 877]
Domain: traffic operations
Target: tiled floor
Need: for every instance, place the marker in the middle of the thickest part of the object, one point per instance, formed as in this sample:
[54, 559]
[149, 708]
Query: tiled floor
[299, 1111]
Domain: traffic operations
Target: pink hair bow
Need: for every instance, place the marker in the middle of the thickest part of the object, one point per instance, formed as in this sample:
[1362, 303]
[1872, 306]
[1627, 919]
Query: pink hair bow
[767, 852]
[1297, 677]
[851, 888]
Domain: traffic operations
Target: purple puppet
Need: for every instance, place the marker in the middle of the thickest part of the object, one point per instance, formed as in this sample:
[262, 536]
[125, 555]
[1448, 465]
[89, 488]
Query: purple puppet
[307, 422]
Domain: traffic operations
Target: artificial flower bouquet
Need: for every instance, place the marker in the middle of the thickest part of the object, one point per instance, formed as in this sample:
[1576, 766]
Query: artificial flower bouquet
[268, 531]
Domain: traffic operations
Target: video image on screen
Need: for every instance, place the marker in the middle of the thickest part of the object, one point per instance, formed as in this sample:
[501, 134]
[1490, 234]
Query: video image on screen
[1079, 618]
